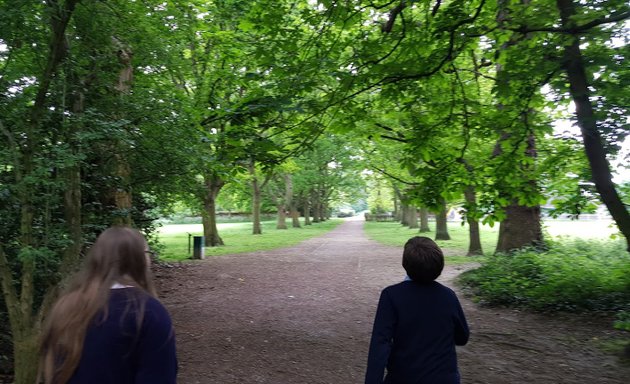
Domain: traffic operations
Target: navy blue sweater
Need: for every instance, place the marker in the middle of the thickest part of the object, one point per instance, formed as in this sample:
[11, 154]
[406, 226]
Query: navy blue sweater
[115, 351]
[415, 332]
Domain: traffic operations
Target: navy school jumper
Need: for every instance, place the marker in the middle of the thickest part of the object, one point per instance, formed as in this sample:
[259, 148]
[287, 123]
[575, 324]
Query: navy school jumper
[415, 332]
[116, 352]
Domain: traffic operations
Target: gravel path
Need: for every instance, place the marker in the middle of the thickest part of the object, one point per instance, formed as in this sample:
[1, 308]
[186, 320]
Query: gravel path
[304, 315]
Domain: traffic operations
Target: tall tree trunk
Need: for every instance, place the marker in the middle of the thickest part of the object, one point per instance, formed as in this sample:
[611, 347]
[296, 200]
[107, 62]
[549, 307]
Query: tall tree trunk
[122, 191]
[474, 235]
[398, 209]
[412, 217]
[122, 168]
[323, 212]
[520, 228]
[26, 344]
[284, 202]
[316, 208]
[404, 211]
[307, 211]
[24, 322]
[424, 220]
[256, 199]
[522, 225]
[295, 216]
[282, 217]
[72, 194]
[441, 228]
[593, 146]
[213, 185]
[24, 325]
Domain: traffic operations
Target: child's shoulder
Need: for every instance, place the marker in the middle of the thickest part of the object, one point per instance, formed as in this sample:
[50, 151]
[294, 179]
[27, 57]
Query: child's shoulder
[409, 285]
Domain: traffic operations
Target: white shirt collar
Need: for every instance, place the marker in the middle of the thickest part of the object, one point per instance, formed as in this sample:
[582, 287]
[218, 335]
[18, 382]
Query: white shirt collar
[117, 285]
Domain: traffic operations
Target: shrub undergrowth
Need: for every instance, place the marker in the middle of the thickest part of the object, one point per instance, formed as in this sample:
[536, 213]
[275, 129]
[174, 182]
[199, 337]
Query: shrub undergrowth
[574, 276]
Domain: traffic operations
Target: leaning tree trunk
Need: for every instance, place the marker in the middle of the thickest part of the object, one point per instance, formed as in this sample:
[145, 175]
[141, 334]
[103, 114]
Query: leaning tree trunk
[424, 220]
[213, 185]
[474, 235]
[441, 228]
[593, 143]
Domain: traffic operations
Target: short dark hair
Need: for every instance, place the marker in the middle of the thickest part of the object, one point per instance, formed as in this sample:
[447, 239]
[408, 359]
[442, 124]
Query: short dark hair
[422, 259]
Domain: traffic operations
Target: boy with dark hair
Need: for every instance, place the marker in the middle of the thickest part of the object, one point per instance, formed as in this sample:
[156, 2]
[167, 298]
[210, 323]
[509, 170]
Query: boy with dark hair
[418, 323]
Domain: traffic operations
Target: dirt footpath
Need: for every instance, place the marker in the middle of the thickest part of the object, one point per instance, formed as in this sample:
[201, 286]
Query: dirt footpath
[304, 315]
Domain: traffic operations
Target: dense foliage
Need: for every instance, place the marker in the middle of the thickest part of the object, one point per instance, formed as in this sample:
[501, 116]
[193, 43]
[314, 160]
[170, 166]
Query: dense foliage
[580, 275]
[113, 110]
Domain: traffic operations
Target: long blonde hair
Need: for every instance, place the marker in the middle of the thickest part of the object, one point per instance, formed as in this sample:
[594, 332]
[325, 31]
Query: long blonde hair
[117, 256]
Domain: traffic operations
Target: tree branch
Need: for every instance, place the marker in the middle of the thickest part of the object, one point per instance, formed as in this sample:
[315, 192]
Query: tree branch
[577, 29]
[387, 27]
[384, 172]
[395, 78]
[11, 299]
[436, 7]
[381, 6]
[394, 138]
[394, 48]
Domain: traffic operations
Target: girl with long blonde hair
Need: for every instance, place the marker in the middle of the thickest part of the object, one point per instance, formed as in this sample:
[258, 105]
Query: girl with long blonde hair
[108, 326]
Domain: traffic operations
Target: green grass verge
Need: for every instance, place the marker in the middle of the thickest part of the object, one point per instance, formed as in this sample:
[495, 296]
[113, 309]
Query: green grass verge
[238, 238]
[393, 233]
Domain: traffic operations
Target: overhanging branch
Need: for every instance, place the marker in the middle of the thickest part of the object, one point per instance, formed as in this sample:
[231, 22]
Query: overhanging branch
[577, 29]
[384, 172]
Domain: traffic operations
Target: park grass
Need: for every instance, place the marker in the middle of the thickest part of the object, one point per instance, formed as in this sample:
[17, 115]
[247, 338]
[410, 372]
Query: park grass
[173, 238]
[395, 234]
[238, 238]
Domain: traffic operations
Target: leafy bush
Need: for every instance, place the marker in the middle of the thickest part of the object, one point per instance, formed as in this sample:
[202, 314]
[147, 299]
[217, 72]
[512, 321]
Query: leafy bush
[623, 321]
[576, 275]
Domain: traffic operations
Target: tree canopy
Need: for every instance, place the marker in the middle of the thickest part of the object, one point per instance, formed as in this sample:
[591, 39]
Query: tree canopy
[112, 110]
